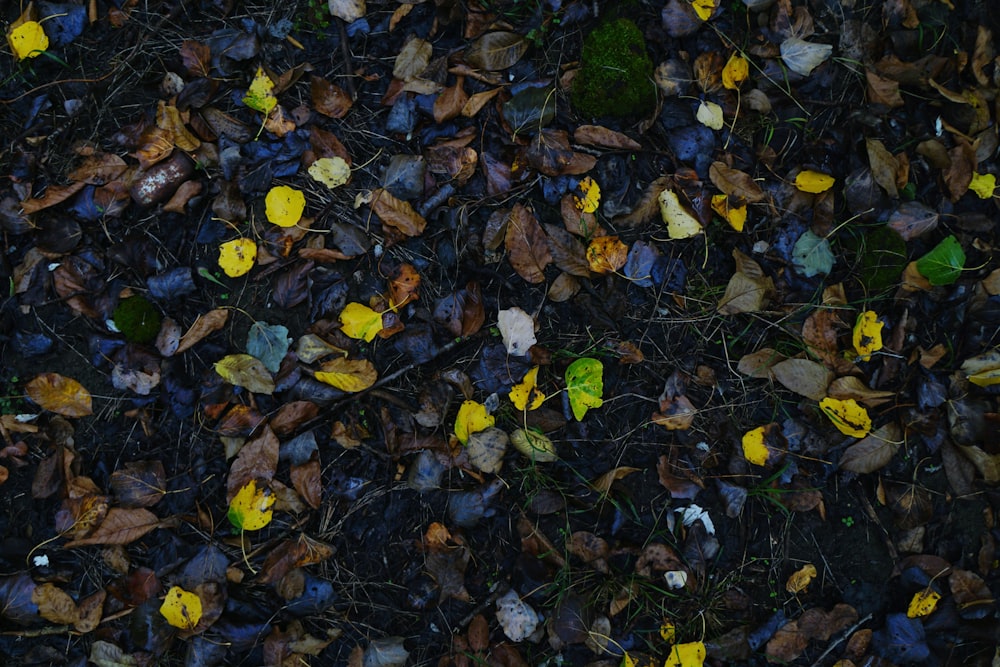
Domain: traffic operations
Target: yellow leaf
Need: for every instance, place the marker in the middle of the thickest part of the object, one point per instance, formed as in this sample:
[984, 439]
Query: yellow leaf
[754, 449]
[181, 608]
[28, 40]
[923, 603]
[330, 171]
[867, 334]
[591, 196]
[260, 96]
[849, 417]
[813, 182]
[686, 655]
[606, 254]
[983, 185]
[680, 223]
[236, 257]
[243, 370]
[736, 216]
[585, 386]
[351, 375]
[284, 205]
[735, 72]
[986, 378]
[800, 579]
[61, 395]
[250, 508]
[472, 418]
[525, 395]
[709, 114]
[704, 8]
[668, 632]
[360, 322]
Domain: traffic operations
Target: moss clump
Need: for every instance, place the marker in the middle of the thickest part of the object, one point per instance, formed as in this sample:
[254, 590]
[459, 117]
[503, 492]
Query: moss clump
[616, 74]
[137, 319]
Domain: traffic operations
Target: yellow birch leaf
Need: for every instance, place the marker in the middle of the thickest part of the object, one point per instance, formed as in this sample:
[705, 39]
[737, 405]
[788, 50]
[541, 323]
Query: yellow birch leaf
[360, 322]
[704, 8]
[525, 395]
[849, 417]
[260, 96]
[736, 216]
[330, 171]
[668, 632]
[867, 336]
[472, 418]
[680, 223]
[28, 40]
[60, 394]
[983, 185]
[691, 654]
[754, 449]
[814, 182]
[800, 579]
[181, 608]
[351, 375]
[591, 195]
[735, 72]
[243, 370]
[606, 254]
[250, 508]
[236, 257]
[986, 378]
[709, 114]
[283, 205]
[923, 603]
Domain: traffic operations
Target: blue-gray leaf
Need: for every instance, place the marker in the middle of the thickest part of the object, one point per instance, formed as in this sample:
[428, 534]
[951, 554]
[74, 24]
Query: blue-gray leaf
[269, 343]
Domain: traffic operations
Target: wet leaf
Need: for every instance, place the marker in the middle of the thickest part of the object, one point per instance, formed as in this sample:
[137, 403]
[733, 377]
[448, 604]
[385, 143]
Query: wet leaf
[496, 51]
[709, 114]
[284, 205]
[691, 654]
[983, 185]
[814, 182]
[472, 418]
[735, 72]
[923, 603]
[736, 216]
[243, 370]
[812, 255]
[269, 343]
[237, 257]
[211, 321]
[350, 375]
[943, 265]
[800, 579]
[589, 195]
[517, 329]
[28, 40]
[250, 508]
[867, 334]
[585, 386]
[330, 171]
[849, 417]
[360, 322]
[59, 394]
[873, 452]
[120, 526]
[525, 395]
[680, 223]
[606, 254]
[260, 96]
[803, 57]
[397, 213]
[527, 245]
[181, 608]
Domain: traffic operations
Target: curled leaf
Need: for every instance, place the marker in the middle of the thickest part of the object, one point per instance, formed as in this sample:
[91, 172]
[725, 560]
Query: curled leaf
[800, 579]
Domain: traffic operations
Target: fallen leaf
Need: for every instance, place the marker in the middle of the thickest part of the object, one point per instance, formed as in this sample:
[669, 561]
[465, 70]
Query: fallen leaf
[800, 579]
[329, 99]
[237, 257]
[348, 11]
[525, 395]
[680, 223]
[517, 329]
[812, 256]
[923, 603]
[28, 40]
[260, 96]
[944, 263]
[534, 446]
[350, 375]
[210, 322]
[284, 205]
[606, 254]
[181, 608]
[472, 417]
[867, 334]
[250, 508]
[709, 114]
[59, 394]
[243, 370]
[739, 185]
[585, 386]
[120, 526]
[883, 165]
[736, 216]
[330, 171]
[597, 135]
[486, 449]
[803, 57]
[803, 376]
[849, 417]
[527, 245]
[691, 654]
[496, 51]
[256, 461]
[813, 182]
[55, 605]
[360, 322]
[404, 283]
[735, 72]
[872, 452]
[396, 213]
[589, 197]
[748, 289]
[704, 9]
[983, 185]
[755, 449]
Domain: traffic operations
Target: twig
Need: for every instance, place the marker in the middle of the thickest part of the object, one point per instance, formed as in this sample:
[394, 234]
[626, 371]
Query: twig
[345, 51]
[845, 635]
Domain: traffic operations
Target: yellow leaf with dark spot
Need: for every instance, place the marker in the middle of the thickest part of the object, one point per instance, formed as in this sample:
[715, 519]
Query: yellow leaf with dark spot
[330, 171]
[351, 375]
[606, 254]
[736, 216]
[668, 632]
[589, 196]
[680, 223]
[472, 418]
[923, 603]
[360, 322]
[181, 608]
[735, 72]
[284, 205]
[691, 654]
[250, 508]
[260, 97]
[28, 40]
[236, 257]
[849, 417]
[525, 395]
[867, 334]
[814, 182]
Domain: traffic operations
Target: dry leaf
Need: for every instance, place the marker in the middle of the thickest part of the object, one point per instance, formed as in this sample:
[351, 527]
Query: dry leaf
[350, 375]
[62, 395]
[735, 183]
[120, 526]
[803, 376]
[527, 245]
[749, 290]
[397, 213]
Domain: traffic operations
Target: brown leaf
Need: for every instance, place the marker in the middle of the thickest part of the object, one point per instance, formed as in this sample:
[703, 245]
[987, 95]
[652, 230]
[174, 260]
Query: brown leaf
[257, 460]
[590, 548]
[551, 154]
[329, 99]
[211, 321]
[99, 169]
[803, 376]
[971, 594]
[195, 57]
[527, 245]
[913, 219]
[958, 174]
[448, 570]
[684, 486]
[657, 557]
[477, 101]
[883, 91]
[603, 483]
[62, 395]
[596, 135]
[883, 165]
[568, 253]
[54, 194]
[91, 609]
[496, 51]
[872, 452]
[737, 184]
[139, 484]
[404, 285]
[676, 413]
[292, 554]
[326, 144]
[291, 415]
[120, 526]
[852, 387]
[55, 604]
[479, 633]
[563, 288]
[397, 213]
[759, 364]
[450, 102]
[749, 290]
[306, 479]
[576, 221]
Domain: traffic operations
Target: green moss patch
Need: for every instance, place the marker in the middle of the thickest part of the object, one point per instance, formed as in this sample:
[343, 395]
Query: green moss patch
[616, 74]
[137, 319]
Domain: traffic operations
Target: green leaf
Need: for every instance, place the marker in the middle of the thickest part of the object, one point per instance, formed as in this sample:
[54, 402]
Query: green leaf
[250, 508]
[585, 385]
[943, 265]
[269, 343]
[812, 256]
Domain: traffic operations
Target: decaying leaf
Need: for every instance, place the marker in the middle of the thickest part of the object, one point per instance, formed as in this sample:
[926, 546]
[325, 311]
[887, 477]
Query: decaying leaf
[585, 386]
[606, 254]
[748, 290]
[237, 257]
[680, 223]
[350, 375]
[923, 603]
[527, 245]
[867, 334]
[735, 72]
[472, 417]
[260, 96]
[59, 394]
[243, 370]
[525, 395]
[803, 376]
[799, 580]
[849, 417]
[330, 171]
[397, 213]
[691, 654]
